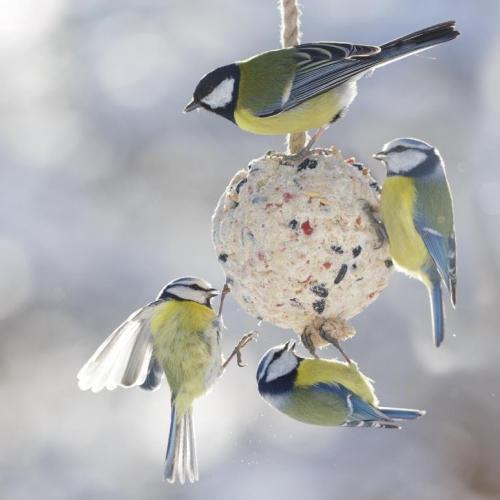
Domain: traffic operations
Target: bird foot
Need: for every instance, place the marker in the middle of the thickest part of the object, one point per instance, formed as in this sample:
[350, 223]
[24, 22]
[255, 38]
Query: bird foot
[322, 332]
[247, 338]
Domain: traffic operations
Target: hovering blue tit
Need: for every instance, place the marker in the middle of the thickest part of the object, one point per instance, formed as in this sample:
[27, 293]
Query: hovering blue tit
[323, 392]
[417, 213]
[299, 88]
[177, 335]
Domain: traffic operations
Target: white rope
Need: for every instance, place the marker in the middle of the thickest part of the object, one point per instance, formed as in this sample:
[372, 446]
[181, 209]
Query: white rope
[290, 36]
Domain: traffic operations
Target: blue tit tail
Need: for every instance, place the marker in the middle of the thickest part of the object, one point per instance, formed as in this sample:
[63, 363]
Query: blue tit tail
[181, 463]
[437, 310]
[402, 413]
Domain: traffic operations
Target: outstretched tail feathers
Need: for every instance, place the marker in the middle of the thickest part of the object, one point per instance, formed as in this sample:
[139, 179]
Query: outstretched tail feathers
[437, 310]
[402, 413]
[181, 463]
[419, 40]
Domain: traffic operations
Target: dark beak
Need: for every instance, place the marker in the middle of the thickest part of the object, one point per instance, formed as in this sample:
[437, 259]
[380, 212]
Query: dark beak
[380, 156]
[191, 106]
[290, 345]
[213, 292]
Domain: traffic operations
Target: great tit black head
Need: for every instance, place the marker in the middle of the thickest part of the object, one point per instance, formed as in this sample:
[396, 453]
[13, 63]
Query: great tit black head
[189, 288]
[217, 91]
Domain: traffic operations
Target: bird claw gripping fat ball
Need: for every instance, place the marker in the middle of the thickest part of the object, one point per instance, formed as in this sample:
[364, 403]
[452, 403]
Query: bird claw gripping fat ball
[298, 246]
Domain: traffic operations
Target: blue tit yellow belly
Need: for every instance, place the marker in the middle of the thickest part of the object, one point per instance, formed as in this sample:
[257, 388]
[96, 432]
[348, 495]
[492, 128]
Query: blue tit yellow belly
[408, 250]
[309, 405]
[186, 344]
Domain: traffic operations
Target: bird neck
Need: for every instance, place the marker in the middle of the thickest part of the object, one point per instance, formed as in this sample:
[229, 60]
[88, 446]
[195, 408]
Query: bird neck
[279, 385]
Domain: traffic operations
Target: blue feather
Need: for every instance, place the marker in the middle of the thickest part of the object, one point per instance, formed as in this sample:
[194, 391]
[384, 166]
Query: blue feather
[436, 298]
[401, 413]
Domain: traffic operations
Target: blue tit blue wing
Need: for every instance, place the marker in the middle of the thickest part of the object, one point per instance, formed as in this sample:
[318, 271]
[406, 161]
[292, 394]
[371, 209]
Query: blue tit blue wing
[433, 219]
[360, 413]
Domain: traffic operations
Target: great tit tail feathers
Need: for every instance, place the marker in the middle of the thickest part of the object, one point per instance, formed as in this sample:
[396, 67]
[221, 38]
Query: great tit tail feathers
[402, 413]
[421, 39]
[181, 463]
[437, 311]
[416, 42]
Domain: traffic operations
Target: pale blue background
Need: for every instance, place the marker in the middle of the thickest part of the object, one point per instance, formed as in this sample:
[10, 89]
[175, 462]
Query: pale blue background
[106, 193]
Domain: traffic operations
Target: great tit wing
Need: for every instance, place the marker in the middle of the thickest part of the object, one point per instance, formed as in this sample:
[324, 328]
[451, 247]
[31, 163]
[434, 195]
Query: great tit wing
[124, 358]
[434, 223]
[359, 410]
[319, 67]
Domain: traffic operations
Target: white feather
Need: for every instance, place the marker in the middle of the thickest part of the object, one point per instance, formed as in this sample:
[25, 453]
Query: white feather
[123, 358]
[286, 363]
[221, 95]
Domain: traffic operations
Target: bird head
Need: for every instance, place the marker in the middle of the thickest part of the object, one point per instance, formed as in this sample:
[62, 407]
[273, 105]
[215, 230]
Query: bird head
[217, 91]
[278, 362]
[403, 156]
[189, 288]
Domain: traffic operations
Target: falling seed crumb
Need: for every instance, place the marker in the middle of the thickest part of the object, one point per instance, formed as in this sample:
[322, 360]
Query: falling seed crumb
[341, 274]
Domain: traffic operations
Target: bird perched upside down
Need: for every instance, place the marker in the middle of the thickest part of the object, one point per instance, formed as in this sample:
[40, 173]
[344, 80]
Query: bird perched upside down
[417, 214]
[308, 86]
[179, 335]
[323, 392]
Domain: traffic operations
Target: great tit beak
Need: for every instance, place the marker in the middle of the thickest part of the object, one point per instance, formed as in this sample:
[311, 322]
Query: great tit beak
[290, 345]
[380, 156]
[191, 106]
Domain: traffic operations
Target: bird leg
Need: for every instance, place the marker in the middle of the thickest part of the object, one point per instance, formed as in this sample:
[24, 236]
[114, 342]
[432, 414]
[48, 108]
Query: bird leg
[332, 340]
[225, 290]
[304, 152]
[376, 223]
[248, 337]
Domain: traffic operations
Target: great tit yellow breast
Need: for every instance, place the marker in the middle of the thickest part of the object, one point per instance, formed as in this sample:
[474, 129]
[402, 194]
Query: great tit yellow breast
[314, 371]
[186, 343]
[397, 206]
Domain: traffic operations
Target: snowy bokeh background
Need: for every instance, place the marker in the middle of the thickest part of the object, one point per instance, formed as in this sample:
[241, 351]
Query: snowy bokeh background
[106, 194]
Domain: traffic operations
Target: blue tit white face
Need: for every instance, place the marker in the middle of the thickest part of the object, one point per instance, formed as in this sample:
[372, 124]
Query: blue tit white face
[401, 156]
[277, 362]
[189, 288]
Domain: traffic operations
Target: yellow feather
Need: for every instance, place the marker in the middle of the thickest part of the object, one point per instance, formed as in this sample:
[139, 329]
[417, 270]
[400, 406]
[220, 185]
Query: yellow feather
[397, 204]
[314, 371]
[185, 340]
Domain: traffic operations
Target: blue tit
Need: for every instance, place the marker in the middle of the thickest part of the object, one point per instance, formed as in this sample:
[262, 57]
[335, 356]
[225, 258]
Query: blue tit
[323, 392]
[417, 213]
[177, 335]
[308, 86]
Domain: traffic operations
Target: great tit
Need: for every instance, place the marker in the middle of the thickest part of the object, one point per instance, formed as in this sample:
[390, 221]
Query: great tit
[323, 392]
[417, 214]
[308, 86]
[178, 335]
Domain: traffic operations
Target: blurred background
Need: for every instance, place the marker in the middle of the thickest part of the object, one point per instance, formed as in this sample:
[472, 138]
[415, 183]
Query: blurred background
[106, 193]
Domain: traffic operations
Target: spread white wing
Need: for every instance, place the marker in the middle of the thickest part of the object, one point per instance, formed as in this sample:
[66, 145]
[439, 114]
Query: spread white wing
[125, 358]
